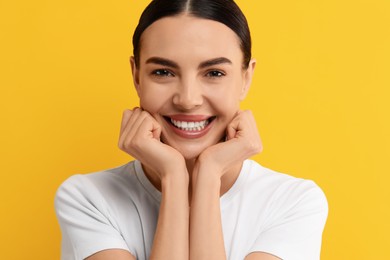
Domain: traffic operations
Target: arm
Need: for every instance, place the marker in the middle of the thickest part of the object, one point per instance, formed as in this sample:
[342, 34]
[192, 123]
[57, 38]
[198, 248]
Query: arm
[171, 238]
[261, 256]
[140, 137]
[117, 254]
[206, 238]
[214, 168]
[206, 224]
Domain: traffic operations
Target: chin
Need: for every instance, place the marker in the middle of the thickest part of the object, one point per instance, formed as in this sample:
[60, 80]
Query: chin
[189, 151]
[189, 154]
[192, 148]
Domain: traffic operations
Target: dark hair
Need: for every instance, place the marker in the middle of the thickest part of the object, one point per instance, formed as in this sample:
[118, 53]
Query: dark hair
[223, 11]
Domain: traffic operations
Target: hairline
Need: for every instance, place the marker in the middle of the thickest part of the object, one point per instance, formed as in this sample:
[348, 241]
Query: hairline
[189, 14]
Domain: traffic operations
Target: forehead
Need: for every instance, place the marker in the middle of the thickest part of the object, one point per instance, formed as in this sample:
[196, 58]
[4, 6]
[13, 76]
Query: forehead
[190, 38]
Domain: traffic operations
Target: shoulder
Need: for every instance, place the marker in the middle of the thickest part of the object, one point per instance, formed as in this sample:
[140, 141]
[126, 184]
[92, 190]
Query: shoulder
[284, 192]
[117, 194]
[97, 210]
[97, 188]
[290, 213]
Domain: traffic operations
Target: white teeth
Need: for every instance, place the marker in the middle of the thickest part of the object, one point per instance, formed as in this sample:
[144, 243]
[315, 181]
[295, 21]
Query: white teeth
[190, 126]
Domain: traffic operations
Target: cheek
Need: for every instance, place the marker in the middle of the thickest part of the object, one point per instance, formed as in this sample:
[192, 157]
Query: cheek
[152, 98]
[226, 103]
[227, 100]
[149, 102]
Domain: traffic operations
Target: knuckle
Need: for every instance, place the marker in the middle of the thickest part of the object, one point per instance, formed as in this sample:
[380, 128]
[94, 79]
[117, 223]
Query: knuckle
[246, 112]
[130, 146]
[258, 148]
[146, 114]
[126, 111]
[120, 146]
[134, 144]
[254, 147]
[127, 144]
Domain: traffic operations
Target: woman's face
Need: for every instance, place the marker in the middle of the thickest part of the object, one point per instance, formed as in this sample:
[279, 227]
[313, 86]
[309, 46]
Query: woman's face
[190, 79]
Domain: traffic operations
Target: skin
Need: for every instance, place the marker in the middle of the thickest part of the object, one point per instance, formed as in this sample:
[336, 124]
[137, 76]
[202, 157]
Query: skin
[190, 70]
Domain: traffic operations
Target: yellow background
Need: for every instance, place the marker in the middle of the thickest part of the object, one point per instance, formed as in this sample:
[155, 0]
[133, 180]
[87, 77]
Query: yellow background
[320, 96]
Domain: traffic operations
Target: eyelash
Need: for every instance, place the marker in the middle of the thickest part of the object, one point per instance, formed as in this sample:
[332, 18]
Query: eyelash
[167, 73]
[215, 74]
[162, 73]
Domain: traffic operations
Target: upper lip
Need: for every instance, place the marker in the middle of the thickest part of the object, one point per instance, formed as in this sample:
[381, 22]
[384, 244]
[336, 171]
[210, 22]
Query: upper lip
[188, 118]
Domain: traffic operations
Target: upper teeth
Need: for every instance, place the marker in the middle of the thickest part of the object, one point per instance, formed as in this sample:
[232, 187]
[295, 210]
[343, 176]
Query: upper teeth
[190, 126]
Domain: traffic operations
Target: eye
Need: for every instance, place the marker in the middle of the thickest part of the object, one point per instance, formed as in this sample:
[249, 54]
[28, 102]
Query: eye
[215, 74]
[162, 73]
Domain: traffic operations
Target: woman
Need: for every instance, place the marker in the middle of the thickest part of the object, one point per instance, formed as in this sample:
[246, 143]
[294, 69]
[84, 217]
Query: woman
[191, 193]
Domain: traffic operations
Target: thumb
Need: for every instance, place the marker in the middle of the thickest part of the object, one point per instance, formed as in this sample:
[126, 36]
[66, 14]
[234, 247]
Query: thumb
[151, 127]
[231, 131]
[234, 127]
[156, 130]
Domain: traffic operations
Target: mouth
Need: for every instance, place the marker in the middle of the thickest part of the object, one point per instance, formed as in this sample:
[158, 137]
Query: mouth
[190, 126]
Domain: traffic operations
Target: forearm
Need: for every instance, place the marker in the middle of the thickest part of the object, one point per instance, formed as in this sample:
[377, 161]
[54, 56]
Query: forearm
[206, 237]
[171, 240]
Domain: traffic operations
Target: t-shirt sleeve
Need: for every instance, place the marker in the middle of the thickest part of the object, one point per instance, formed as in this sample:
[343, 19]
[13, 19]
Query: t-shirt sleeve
[86, 224]
[294, 230]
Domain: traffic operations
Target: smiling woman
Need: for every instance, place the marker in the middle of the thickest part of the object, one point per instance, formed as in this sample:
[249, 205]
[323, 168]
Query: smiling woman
[192, 192]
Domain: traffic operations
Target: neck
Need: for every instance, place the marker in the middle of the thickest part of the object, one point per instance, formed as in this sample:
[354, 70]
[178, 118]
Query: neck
[230, 177]
[190, 166]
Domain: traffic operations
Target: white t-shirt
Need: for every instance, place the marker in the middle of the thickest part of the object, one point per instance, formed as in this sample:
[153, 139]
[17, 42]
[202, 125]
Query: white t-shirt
[263, 211]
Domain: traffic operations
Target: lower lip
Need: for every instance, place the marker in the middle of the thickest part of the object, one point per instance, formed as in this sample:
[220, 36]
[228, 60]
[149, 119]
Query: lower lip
[191, 134]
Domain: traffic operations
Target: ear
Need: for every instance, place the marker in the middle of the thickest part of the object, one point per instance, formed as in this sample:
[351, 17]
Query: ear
[247, 79]
[135, 73]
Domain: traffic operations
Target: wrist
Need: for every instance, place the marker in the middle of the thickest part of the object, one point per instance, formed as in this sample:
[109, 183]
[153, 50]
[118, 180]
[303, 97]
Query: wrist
[207, 178]
[208, 166]
[175, 177]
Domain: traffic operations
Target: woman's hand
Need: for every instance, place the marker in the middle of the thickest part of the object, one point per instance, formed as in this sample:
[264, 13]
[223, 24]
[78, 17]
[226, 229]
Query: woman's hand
[140, 138]
[242, 142]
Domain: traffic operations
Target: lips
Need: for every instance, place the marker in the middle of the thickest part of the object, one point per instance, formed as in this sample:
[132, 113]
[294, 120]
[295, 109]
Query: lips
[190, 126]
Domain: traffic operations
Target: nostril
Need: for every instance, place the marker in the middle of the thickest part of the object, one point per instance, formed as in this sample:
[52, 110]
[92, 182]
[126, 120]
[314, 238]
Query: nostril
[187, 102]
[188, 96]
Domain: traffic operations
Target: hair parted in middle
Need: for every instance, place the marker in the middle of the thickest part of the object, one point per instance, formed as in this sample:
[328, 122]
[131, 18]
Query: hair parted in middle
[226, 12]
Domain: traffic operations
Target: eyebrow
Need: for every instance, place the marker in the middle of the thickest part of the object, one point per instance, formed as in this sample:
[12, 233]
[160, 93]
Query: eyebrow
[202, 65]
[163, 62]
[213, 62]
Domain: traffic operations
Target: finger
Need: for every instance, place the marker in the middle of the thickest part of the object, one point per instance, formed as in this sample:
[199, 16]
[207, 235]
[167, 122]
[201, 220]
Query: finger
[139, 139]
[127, 114]
[253, 133]
[251, 119]
[244, 131]
[231, 131]
[150, 127]
[125, 117]
[129, 125]
[244, 122]
[134, 123]
[234, 126]
[143, 127]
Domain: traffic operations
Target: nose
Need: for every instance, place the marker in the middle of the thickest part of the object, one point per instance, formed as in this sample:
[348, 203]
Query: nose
[188, 95]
